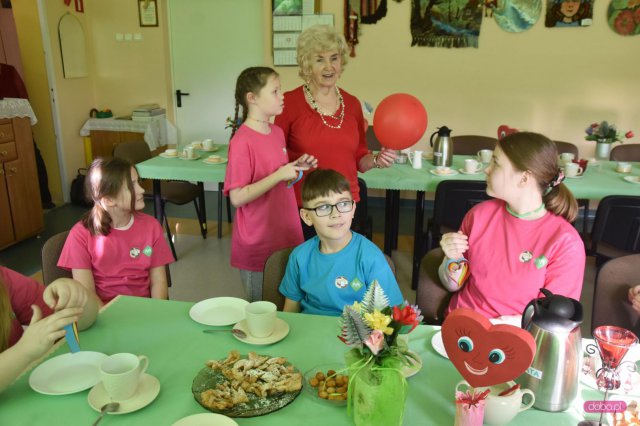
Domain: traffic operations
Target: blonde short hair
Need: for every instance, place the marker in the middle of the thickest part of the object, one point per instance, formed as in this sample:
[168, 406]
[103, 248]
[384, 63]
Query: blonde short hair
[319, 39]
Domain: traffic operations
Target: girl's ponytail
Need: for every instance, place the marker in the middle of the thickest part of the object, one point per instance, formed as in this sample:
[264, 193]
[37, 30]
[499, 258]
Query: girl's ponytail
[235, 125]
[560, 201]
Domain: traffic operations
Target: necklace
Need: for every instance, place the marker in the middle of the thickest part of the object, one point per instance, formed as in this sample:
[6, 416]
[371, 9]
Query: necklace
[527, 214]
[309, 96]
[259, 121]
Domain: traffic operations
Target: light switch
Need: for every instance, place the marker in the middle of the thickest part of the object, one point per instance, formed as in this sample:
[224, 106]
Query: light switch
[128, 37]
[119, 36]
[137, 36]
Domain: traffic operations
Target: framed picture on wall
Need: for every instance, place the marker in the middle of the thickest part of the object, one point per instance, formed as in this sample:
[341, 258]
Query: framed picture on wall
[148, 13]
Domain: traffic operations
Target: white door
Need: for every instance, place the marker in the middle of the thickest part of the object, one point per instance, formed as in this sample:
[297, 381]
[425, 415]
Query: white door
[211, 43]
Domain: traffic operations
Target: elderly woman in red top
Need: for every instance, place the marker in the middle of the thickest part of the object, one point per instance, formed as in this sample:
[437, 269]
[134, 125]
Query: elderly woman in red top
[323, 120]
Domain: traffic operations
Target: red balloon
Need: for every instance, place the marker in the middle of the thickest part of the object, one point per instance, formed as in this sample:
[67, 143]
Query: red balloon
[400, 121]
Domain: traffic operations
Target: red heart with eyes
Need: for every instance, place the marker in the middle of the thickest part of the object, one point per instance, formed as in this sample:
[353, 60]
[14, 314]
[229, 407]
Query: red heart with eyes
[483, 353]
[504, 130]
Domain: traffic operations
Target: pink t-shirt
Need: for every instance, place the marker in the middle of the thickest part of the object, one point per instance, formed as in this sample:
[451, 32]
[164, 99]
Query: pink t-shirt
[23, 292]
[270, 222]
[120, 262]
[510, 259]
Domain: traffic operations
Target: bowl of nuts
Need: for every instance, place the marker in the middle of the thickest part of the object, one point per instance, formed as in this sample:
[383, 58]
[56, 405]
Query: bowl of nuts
[328, 383]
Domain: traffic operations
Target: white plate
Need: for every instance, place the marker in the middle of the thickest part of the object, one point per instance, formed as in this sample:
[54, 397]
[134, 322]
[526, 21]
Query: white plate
[163, 155]
[632, 179]
[148, 390]
[464, 172]
[68, 373]
[281, 331]
[412, 370]
[630, 381]
[438, 345]
[206, 161]
[206, 419]
[182, 157]
[452, 172]
[218, 311]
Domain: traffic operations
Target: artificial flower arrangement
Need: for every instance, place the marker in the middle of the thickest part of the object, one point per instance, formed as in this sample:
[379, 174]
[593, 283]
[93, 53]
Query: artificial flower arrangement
[377, 388]
[606, 133]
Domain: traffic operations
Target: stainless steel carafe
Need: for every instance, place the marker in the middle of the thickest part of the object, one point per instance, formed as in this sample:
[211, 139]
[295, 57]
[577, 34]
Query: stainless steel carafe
[442, 147]
[554, 322]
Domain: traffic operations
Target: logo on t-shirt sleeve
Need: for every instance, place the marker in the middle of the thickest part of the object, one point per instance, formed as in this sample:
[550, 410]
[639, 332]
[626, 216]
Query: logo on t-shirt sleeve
[147, 251]
[356, 284]
[341, 282]
[134, 252]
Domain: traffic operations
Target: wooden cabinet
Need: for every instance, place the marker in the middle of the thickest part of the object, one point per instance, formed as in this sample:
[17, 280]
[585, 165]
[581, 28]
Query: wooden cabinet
[20, 207]
[103, 141]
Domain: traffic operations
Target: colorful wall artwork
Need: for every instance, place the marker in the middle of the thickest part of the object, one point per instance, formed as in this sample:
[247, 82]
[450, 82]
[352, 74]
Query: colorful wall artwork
[446, 23]
[624, 17]
[515, 16]
[569, 13]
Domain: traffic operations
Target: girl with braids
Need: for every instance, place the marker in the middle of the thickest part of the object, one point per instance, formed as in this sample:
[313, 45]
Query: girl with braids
[25, 302]
[519, 242]
[115, 248]
[259, 177]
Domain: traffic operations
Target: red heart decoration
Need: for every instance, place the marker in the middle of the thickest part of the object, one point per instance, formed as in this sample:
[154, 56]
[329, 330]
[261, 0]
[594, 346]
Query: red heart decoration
[504, 130]
[483, 353]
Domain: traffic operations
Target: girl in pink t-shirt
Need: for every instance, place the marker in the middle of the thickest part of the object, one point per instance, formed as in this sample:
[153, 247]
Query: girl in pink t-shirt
[116, 249]
[258, 180]
[521, 241]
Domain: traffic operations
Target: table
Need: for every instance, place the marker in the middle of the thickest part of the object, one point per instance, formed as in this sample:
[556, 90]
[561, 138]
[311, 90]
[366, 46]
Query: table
[596, 183]
[177, 350]
[17, 107]
[158, 131]
[160, 168]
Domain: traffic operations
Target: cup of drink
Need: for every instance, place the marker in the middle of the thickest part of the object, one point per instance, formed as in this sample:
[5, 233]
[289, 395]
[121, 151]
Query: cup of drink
[567, 157]
[261, 318]
[472, 166]
[189, 152]
[572, 170]
[207, 144]
[121, 373]
[623, 167]
[484, 155]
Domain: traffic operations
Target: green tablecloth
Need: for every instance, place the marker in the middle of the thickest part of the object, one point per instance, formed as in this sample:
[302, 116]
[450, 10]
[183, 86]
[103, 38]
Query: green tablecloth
[177, 350]
[596, 183]
[191, 170]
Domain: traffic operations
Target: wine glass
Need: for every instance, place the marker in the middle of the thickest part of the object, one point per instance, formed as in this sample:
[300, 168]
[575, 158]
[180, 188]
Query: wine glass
[612, 343]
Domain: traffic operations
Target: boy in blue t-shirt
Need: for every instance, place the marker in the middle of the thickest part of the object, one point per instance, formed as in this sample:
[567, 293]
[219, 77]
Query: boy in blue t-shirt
[334, 268]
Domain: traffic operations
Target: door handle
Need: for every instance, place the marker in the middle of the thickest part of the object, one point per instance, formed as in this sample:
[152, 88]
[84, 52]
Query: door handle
[179, 95]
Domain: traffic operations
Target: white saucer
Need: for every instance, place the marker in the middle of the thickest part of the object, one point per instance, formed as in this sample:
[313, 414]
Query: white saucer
[148, 390]
[212, 149]
[218, 311]
[438, 345]
[182, 157]
[163, 155]
[452, 172]
[467, 173]
[632, 179]
[68, 373]
[409, 371]
[281, 331]
[206, 161]
[206, 419]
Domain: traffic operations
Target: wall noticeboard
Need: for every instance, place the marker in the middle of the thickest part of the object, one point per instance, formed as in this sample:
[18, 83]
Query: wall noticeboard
[287, 28]
[148, 13]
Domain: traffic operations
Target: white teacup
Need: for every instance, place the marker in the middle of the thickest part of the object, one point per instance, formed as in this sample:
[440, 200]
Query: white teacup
[189, 152]
[260, 318]
[472, 166]
[170, 152]
[623, 167]
[121, 373]
[485, 155]
[207, 144]
[567, 157]
[500, 410]
[572, 169]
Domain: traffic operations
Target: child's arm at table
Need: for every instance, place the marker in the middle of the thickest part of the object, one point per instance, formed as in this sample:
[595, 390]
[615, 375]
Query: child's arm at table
[158, 278]
[85, 277]
[291, 306]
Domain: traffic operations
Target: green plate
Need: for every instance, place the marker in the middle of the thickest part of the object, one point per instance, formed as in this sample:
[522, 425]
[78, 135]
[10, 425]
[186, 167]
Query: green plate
[257, 406]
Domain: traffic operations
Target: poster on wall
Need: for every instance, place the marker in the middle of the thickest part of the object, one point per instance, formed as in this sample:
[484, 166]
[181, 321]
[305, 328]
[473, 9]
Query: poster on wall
[624, 17]
[569, 13]
[445, 23]
[515, 16]
[287, 7]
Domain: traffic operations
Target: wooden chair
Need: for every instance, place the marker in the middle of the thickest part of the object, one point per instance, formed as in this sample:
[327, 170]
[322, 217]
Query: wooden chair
[582, 202]
[51, 250]
[627, 152]
[610, 301]
[362, 222]
[471, 144]
[175, 192]
[431, 297]
[274, 270]
[616, 228]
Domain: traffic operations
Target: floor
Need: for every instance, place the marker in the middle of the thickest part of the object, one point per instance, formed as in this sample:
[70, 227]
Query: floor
[203, 271]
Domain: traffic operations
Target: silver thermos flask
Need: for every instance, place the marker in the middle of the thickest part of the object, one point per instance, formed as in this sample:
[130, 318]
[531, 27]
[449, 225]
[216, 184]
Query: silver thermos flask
[442, 147]
[554, 322]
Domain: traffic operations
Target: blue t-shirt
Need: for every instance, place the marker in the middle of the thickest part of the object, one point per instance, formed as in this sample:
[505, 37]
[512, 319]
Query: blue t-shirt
[325, 283]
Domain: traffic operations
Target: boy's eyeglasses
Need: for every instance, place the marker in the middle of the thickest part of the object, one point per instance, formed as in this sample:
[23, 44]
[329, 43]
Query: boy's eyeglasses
[326, 209]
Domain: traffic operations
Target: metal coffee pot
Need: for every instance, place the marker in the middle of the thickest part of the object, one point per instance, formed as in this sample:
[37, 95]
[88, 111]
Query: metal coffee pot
[442, 147]
[554, 322]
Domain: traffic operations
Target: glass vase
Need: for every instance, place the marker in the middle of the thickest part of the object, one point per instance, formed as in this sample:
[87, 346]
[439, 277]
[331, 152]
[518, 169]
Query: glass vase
[377, 391]
[603, 150]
